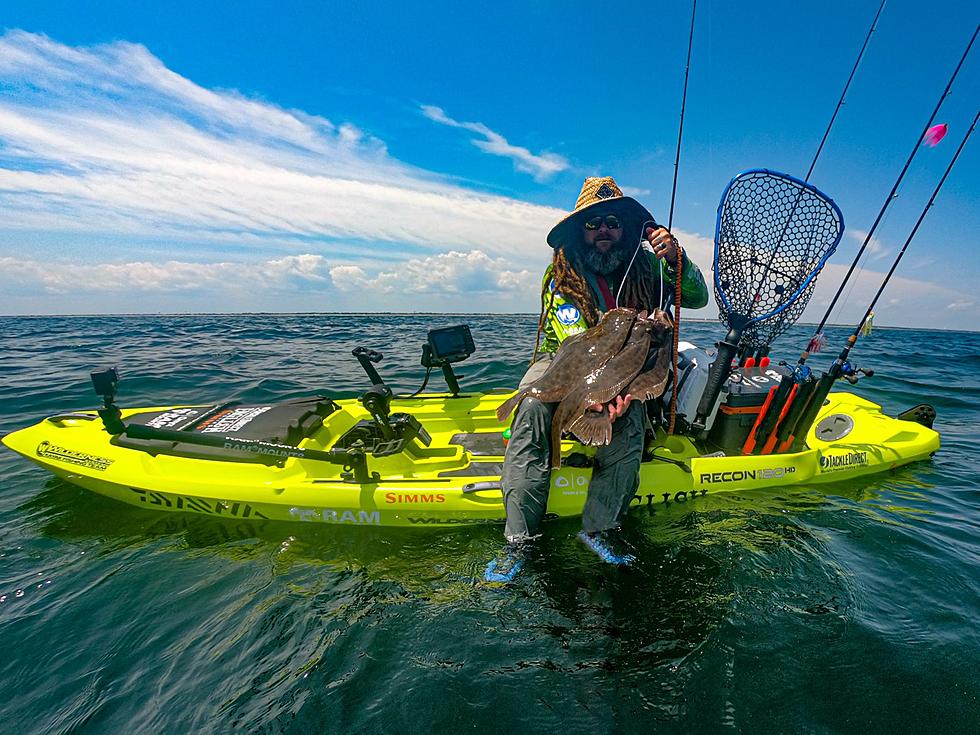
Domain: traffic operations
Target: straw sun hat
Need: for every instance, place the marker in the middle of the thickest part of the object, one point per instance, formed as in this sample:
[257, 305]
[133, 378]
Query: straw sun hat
[600, 195]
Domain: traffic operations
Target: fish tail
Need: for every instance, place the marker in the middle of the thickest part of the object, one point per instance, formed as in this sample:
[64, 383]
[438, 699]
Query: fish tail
[507, 407]
[648, 386]
[594, 429]
[555, 446]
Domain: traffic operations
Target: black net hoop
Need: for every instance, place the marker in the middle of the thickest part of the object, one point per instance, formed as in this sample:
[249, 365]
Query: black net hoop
[774, 234]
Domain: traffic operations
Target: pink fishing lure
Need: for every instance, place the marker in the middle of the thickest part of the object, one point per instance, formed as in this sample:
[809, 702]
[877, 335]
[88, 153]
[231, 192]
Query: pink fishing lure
[935, 134]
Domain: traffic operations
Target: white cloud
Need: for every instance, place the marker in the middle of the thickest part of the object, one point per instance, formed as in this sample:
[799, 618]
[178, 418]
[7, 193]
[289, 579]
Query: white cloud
[446, 273]
[453, 272]
[169, 276]
[540, 166]
[108, 140]
[246, 200]
[905, 301]
[875, 249]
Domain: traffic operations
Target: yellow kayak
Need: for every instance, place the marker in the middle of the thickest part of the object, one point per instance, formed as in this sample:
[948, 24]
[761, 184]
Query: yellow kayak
[324, 461]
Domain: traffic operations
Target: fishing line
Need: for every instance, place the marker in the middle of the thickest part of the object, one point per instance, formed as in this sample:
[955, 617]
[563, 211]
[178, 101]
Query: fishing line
[636, 251]
[677, 160]
[670, 222]
[888, 200]
[856, 279]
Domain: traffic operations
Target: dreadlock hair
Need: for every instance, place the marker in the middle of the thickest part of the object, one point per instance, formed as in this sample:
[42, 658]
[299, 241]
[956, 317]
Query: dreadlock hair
[572, 286]
[641, 289]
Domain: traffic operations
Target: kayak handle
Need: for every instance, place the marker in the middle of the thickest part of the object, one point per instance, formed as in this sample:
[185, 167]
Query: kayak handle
[366, 356]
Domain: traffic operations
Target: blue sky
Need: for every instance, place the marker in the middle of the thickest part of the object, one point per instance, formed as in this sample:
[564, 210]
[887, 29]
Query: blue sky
[194, 156]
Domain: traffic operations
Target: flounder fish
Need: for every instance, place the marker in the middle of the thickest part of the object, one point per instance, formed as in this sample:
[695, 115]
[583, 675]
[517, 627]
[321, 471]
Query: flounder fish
[643, 373]
[578, 356]
[652, 379]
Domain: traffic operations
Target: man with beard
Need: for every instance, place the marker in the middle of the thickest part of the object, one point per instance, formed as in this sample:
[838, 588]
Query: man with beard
[598, 264]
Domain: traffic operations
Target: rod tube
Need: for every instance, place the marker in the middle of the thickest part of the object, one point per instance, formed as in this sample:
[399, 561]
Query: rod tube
[771, 416]
[809, 415]
[804, 392]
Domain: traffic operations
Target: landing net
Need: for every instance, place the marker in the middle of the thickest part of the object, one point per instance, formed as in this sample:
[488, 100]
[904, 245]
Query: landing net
[773, 235]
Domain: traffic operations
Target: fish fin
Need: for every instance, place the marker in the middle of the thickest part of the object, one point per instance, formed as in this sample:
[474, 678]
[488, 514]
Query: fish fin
[507, 407]
[649, 385]
[593, 428]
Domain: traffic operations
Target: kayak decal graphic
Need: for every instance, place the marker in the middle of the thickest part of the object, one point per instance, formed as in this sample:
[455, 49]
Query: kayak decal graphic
[563, 483]
[455, 521]
[415, 498]
[175, 418]
[63, 454]
[836, 462]
[231, 420]
[680, 496]
[767, 473]
[329, 515]
[198, 505]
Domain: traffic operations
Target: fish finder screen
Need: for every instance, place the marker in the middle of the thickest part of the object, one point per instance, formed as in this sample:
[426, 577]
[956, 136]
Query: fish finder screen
[451, 343]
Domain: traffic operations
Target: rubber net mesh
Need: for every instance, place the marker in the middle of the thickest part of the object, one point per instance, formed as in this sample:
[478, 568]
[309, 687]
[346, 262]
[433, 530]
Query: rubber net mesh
[773, 233]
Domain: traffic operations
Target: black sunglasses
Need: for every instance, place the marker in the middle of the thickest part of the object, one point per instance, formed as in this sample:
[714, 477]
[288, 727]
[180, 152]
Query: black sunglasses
[611, 220]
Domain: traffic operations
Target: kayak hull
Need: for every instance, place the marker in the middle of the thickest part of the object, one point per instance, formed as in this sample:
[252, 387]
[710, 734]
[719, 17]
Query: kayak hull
[453, 481]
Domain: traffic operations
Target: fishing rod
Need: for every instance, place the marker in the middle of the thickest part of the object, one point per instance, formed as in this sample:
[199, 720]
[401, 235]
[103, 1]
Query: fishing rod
[765, 329]
[840, 366]
[680, 129]
[840, 102]
[780, 430]
[679, 256]
[762, 351]
[815, 340]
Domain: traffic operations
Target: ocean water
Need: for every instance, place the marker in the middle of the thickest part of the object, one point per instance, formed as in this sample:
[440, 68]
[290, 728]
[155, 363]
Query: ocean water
[850, 608]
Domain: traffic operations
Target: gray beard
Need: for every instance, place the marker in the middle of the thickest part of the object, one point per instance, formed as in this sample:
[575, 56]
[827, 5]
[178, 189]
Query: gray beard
[604, 263]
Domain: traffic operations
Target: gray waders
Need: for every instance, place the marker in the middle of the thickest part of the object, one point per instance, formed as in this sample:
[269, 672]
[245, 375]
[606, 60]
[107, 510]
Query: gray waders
[526, 478]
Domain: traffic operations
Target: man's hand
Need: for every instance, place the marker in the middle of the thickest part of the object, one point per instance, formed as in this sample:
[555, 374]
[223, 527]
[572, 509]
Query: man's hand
[664, 246]
[617, 407]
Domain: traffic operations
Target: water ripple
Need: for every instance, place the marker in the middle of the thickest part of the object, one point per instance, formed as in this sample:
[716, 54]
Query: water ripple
[854, 602]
